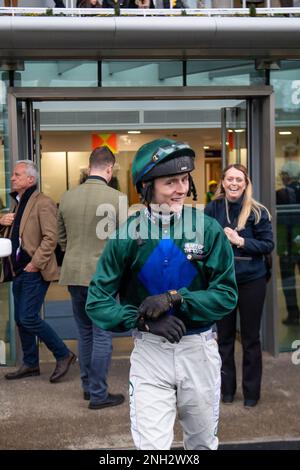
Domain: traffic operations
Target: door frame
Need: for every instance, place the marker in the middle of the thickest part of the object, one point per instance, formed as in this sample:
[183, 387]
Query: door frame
[261, 142]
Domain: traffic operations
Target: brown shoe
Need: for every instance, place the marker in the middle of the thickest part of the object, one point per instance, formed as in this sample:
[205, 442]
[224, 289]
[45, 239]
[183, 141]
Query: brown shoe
[62, 367]
[23, 371]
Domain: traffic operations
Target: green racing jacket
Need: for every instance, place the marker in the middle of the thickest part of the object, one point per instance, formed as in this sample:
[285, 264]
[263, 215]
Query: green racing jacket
[192, 256]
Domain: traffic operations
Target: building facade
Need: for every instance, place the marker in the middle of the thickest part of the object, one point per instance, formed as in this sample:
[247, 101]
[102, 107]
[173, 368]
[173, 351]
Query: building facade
[228, 85]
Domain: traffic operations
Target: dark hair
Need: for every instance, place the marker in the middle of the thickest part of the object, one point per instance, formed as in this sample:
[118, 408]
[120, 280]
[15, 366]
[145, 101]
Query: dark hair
[101, 157]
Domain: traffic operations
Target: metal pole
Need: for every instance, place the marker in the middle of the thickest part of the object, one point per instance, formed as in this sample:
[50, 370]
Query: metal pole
[224, 137]
[29, 128]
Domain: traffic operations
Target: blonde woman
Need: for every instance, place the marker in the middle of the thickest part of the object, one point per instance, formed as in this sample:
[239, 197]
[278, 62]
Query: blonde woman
[247, 225]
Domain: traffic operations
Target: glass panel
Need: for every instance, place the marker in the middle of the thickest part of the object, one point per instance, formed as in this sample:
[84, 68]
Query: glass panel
[137, 73]
[6, 322]
[60, 73]
[234, 135]
[286, 84]
[223, 72]
[69, 131]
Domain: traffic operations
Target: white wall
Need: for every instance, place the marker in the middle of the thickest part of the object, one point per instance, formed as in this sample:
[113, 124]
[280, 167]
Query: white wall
[79, 146]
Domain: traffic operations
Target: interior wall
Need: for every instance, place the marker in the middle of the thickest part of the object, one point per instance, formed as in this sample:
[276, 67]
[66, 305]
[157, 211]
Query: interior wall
[79, 145]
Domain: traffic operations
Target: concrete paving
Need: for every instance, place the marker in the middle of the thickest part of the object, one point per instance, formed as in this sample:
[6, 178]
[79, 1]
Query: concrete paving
[35, 414]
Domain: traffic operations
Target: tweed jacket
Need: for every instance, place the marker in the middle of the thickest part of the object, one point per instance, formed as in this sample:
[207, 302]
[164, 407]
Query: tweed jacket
[79, 216]
[38, 233]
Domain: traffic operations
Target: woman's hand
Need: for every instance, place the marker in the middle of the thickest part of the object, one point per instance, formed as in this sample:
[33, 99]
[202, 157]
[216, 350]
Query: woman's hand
[234, 237]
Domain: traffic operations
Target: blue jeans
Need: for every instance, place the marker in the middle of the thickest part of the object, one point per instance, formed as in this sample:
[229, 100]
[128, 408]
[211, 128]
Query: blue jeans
[94, 348]
[29, 290]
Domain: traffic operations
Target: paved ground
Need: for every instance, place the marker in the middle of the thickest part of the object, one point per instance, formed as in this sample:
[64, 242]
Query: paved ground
[35, 414]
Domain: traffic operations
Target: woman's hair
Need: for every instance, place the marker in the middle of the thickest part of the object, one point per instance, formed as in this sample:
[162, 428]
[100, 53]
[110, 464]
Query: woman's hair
[249, 204]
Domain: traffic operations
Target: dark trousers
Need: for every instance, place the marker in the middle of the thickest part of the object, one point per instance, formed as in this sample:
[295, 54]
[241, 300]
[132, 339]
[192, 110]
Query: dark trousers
[250, 307]
[29, 290]
[94, 347]
[288, 265]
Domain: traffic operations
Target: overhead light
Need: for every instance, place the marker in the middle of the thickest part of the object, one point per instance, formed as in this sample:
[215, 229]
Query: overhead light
[285, 132]
[230, 130]
[238, 131]
[206, 147]
[133, 132]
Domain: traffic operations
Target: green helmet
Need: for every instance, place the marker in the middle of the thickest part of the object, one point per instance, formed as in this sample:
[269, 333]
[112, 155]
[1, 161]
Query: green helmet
[161, 157]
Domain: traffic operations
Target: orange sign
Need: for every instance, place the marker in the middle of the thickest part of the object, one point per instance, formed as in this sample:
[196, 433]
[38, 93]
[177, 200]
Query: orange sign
[230, 137]
[110, 140]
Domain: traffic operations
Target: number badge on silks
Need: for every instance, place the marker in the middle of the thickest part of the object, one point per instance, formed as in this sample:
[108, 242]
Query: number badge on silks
[194, 251]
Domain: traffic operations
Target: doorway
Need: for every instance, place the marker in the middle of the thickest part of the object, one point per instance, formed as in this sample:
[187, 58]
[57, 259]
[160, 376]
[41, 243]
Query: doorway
[222, 125]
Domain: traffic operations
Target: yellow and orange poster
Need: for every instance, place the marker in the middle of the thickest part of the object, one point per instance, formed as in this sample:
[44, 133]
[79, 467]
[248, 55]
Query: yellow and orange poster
[110, 140]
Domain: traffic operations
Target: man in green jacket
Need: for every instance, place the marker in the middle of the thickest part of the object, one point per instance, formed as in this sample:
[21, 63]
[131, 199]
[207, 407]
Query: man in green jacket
[173, 269]
[87, 214]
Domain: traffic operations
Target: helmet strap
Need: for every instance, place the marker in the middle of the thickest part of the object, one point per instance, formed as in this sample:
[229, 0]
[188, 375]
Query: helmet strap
[192, 188]
[147, 192]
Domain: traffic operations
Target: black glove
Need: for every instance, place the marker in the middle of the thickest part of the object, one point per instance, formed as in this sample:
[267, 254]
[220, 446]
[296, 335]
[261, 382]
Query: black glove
[168, 326]
[155, 305]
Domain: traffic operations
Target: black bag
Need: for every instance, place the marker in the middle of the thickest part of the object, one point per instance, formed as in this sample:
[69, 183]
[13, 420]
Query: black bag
[5, 270]
[5, 263]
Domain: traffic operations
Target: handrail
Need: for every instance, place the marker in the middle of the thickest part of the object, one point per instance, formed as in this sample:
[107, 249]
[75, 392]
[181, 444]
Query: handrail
[102, 12]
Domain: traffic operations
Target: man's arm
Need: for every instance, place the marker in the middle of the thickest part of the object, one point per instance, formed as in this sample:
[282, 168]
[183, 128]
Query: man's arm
[61, 229]
[47, 214]
[102, 306]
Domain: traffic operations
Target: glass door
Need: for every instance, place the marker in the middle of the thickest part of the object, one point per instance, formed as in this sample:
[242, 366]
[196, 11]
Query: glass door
[53, 182]
[234, 135]
[68, 124]
[7, 324]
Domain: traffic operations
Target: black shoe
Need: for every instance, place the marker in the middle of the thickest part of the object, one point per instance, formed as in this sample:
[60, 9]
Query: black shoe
[291, 321]
[62, 367]
[227, 399]
[23, 371]
[86, 396]
[249, 403]
[111, 400]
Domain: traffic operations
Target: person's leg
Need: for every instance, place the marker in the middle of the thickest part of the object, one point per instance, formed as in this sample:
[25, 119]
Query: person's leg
[100, 362]
[85, 333]
[198, 373]
[28, 339]
[251, 301]
[226, 339]
[152, 394]
[34, 289]
[95, 348]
